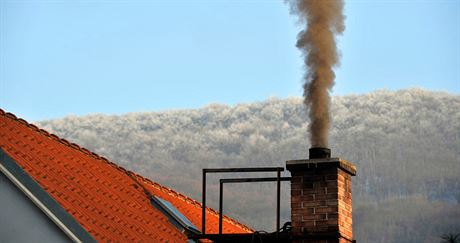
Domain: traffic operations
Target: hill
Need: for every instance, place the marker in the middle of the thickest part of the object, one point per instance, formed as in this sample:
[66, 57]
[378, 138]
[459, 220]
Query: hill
[406, 145]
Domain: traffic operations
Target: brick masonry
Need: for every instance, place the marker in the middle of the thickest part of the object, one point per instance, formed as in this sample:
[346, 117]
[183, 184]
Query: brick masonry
[321, 199]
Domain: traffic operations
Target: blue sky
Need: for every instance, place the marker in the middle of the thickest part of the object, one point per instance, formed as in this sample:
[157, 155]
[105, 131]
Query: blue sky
[80, 57]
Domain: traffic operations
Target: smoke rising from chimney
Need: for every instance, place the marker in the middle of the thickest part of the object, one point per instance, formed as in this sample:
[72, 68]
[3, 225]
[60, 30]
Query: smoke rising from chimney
[324, 19]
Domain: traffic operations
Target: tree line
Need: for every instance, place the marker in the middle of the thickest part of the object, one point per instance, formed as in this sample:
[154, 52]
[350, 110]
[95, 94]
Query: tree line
[406, 145]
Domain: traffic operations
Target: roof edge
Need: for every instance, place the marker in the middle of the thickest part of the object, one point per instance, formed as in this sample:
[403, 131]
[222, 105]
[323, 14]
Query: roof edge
[43, 200]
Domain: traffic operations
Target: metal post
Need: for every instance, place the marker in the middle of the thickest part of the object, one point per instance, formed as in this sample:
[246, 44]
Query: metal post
[278, 195]
[203, 201]
[221, 195]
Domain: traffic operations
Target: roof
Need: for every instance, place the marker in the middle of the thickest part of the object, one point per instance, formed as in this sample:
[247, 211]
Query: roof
[100, 195]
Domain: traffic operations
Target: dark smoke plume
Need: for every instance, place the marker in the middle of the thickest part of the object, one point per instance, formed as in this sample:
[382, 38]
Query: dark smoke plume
[324, 19]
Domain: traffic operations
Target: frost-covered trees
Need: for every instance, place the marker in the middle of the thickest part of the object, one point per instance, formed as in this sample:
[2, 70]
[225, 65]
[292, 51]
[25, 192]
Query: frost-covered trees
[406, 145]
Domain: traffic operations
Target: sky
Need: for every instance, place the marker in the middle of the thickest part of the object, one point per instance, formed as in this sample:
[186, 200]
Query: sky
[67, 57]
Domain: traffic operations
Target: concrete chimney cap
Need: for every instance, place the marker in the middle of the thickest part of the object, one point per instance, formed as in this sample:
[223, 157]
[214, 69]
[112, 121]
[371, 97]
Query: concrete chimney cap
[323, 163]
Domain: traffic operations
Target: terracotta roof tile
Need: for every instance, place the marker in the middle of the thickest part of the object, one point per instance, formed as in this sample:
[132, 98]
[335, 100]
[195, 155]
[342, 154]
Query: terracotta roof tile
[100, 195]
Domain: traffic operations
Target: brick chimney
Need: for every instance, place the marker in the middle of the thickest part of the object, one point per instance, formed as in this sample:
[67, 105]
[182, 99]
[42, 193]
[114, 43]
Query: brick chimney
[321, 200]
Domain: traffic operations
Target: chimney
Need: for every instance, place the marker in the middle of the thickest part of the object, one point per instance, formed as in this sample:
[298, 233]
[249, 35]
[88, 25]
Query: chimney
[321, 200]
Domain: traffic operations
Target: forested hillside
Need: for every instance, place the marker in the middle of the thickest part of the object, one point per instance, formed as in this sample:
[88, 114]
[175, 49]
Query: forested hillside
[406, 145]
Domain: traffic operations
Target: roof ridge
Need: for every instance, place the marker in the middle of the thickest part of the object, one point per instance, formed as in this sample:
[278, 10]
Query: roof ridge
[116, 166]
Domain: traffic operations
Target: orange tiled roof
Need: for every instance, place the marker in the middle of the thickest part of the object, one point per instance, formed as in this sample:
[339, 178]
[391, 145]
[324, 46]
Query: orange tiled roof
[100, 195]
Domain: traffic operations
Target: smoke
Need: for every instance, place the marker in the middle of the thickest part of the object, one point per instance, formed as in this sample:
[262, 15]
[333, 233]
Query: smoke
[324, 19]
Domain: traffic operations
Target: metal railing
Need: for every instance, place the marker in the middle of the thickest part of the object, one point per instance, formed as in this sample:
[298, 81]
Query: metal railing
[278, 179]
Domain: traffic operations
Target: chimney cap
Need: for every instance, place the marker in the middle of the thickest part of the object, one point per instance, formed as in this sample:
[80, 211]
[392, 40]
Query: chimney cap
[319, 153]
[318, 164]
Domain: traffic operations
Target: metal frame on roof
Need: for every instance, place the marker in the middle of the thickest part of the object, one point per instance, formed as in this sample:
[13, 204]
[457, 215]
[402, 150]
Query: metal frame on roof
[277, 236]
[246, 180]
[43, 200]
[233, 170]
